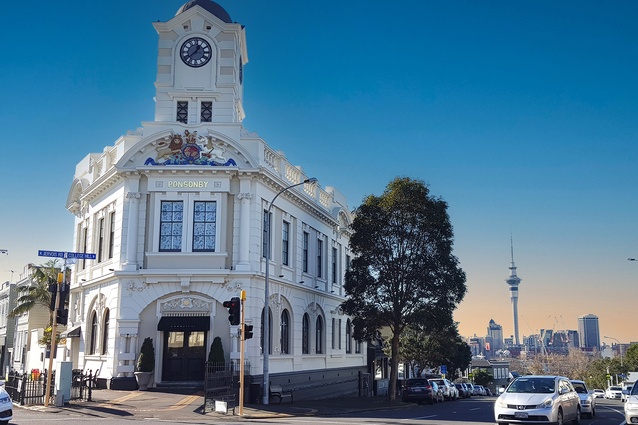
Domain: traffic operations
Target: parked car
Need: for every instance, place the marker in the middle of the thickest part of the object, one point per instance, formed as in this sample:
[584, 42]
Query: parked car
[437, 391]
[462, 389]
[449, 390]
[613, 393]
[631, 406]
[480, 390]
[538, 399]
[471, 388]
[587, 399]
[598, 393]
[6, 407]
[419, 390]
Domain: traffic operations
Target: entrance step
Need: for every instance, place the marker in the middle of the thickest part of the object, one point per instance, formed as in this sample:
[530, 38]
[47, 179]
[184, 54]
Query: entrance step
[180, 387]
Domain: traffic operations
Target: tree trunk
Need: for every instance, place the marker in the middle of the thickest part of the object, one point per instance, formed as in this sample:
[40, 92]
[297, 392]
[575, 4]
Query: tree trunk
[394, 366]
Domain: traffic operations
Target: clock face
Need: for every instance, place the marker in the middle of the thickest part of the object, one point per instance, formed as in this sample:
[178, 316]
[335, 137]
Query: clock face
[195, 52]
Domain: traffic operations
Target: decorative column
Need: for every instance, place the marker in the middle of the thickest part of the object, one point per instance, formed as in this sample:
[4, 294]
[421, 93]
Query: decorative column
[131, 232]
[244, 231]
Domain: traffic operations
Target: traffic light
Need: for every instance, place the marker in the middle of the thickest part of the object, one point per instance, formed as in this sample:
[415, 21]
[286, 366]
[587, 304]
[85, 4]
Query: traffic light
[62, 316]
[234, 310]
[248, 331]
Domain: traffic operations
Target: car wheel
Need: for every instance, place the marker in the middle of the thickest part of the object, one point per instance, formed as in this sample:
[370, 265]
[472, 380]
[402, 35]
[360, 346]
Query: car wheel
[559, 417]
[576, 420]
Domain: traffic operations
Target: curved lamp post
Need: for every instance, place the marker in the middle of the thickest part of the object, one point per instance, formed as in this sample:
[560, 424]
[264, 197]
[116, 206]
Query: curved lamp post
[266, 330]
[619, 348]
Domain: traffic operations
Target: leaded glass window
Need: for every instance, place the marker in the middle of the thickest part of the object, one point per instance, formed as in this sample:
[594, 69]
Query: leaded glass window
[204, 226]
[285, 333]
[182, 112]
[207, 112]
[171, 226]
[319, 335]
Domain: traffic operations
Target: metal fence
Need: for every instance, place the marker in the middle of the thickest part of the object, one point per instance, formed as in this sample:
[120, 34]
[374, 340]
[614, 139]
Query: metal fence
[221, 383]
[30, 388]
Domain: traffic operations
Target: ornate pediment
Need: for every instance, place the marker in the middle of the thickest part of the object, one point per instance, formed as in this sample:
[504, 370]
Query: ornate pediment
[190, 148]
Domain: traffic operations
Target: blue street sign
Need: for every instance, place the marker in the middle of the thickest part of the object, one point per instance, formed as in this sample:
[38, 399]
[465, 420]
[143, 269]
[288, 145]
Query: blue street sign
[57, 254]
[81, 255]
[444, 369]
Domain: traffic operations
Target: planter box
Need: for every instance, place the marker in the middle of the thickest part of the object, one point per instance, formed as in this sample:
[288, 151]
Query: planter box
[123, 383]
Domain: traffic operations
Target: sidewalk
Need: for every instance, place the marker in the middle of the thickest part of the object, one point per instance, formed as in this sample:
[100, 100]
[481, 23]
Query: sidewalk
[189, 406]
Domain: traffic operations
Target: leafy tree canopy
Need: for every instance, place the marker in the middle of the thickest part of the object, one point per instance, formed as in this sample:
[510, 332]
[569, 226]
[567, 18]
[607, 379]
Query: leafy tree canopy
[403, 271]
[36, 292]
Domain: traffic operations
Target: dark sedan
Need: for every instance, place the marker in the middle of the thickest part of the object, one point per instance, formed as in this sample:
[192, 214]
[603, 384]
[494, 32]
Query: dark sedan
[418, 390]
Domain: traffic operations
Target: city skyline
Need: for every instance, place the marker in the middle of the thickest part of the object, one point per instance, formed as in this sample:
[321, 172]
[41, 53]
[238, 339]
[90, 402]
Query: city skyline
[523, 132]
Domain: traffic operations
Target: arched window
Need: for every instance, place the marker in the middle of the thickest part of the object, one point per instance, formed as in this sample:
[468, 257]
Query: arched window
[305, 334]
[261, 340]
[105, 332]
[94, 331]
[319, 335]
[348, 337]
[284, 335]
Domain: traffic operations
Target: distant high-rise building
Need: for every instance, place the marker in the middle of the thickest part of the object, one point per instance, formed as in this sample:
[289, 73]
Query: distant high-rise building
[495, 333]
[588, 331]
[513, 281]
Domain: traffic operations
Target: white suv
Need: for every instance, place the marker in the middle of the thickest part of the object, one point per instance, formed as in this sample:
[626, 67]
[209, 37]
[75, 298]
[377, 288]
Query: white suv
[449, 390]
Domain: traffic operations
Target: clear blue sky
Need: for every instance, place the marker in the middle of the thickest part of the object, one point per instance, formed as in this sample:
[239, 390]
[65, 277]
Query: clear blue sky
[522, 115]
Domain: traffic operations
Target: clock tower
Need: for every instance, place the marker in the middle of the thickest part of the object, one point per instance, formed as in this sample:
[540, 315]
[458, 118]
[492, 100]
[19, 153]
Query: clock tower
[201, 54]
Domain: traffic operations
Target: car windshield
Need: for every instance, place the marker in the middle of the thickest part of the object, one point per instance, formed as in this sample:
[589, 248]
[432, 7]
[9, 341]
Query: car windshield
[615, 389]
[634, 390]
[416, 382]
[580, 388]
[532, 385]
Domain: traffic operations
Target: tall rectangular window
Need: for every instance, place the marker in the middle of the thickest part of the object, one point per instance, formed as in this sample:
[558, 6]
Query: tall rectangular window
[204, 226]
[171, 226]
[339, 334]
[206, 112]
[334, 334]
[347, 262]
[334, 265]
[285, 243]
[111, 234]
[100, 240]
[182, 112]
[266, 234]
[85, 239]
[319, 258]
[306, 237]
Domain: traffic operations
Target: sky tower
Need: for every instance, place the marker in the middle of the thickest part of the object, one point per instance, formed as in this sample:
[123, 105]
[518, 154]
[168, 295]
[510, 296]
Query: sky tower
[513, 281]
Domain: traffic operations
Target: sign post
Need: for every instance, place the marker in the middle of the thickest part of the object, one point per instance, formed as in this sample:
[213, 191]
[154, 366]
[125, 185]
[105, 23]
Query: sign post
[61, 279]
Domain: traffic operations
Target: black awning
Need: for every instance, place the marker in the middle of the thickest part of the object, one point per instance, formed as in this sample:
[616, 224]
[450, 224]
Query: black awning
[71, 333]
[184, 323]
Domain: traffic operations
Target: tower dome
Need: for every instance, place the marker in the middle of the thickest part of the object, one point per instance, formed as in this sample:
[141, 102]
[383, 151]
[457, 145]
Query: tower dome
[210, 6]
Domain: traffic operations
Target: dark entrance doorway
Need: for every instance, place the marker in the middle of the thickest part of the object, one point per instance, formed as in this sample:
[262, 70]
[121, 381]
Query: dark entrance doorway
[184, 353]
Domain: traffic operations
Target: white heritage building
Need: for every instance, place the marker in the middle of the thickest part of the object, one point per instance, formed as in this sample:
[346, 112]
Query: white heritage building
[175, 214]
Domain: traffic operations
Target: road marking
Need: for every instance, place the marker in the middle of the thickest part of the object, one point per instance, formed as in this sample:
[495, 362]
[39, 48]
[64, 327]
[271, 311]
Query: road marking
[121, 399]
[182, 403]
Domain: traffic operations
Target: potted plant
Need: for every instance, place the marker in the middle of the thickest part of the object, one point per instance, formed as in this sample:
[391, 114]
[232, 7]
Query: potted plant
[216, 355]
[145, 364]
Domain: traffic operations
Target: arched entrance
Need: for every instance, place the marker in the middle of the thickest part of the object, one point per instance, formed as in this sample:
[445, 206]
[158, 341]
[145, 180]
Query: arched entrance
[184, 353]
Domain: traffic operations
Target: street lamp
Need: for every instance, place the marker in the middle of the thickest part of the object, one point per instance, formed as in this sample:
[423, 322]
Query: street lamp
[266, 329]
[619, 348]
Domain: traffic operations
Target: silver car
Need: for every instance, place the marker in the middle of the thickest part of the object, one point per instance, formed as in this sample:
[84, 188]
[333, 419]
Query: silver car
[538, 399]
[631, 406]
[587, 398]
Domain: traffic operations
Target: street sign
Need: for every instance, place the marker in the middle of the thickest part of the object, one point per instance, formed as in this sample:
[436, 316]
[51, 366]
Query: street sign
[57, 254]
[444, 369]
[81, 255]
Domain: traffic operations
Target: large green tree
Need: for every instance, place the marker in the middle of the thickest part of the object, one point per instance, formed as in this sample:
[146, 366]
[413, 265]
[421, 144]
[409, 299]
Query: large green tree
[403, 271]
